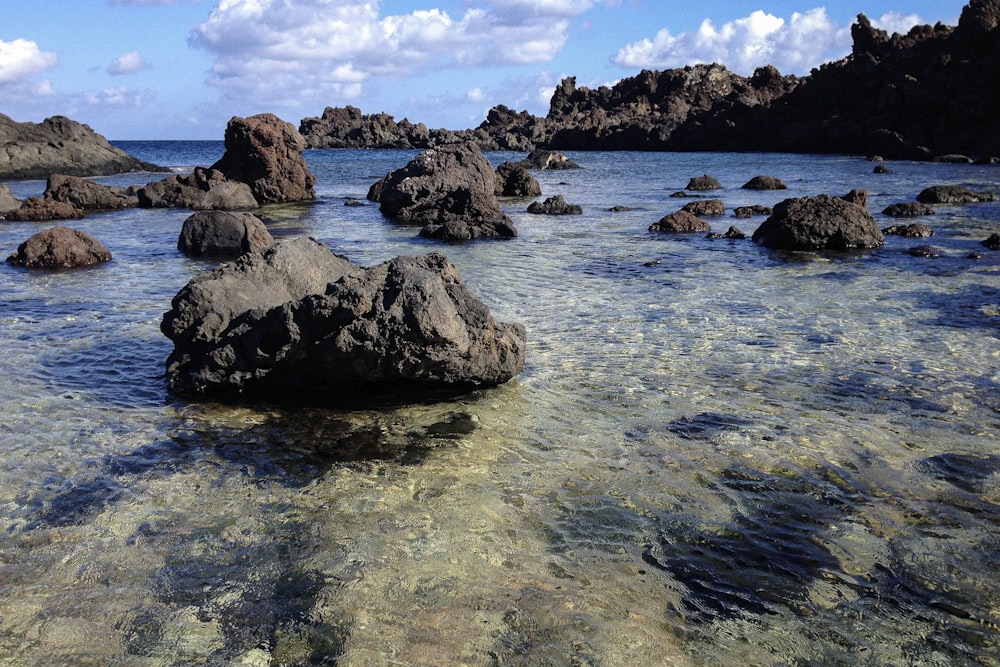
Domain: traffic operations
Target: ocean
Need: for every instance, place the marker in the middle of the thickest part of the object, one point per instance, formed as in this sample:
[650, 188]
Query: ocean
[718, 454]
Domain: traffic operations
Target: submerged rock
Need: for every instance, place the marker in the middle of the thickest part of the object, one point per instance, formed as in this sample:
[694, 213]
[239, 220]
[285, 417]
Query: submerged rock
[915, 231]
[60, 248]
[555, 205]
[706, 207]
[907, 210]
[731, 233]
[750, 211]
[299, 324]
[822, 222]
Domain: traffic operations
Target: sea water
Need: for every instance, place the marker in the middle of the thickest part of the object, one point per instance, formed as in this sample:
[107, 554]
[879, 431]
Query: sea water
[718, 454]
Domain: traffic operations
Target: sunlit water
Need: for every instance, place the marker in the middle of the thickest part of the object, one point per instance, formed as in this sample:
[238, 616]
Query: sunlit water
[717, 454]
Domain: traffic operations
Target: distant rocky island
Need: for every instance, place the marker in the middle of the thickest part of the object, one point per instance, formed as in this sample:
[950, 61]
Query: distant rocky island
[932, 93]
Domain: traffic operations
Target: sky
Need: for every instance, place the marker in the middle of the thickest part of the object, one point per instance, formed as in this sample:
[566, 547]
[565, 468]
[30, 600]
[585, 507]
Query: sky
[180, 69]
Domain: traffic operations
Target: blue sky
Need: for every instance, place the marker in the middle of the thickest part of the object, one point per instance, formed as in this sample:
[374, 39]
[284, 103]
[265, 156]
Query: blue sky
[179, 69]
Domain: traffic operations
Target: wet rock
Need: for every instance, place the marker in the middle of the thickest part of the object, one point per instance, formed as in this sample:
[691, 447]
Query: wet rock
[223, 233]
[38, 209]
[8, 202]
[750, 211]
[407, 329]
[822, 222]
[60, 247]
[265, 152]
[546, 159]
[619, 209]
[706, 207]
[993, 242]
[731, 233]
[451, 189]
[513, 180]
[680, 222]
[953, 194]
[765, 183]
[201, 190]
[882, 169]
[555, 205]
[858, 197]
[924, 251]
[85, 194]
[907, 210]
[705, 182]
[914, 231]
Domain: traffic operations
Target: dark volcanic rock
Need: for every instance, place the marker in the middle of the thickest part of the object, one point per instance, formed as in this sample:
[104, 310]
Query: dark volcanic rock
[924, 250]
[223, 233]
[765, 183]
[545, 159]
[555, 205]
[38, 209]
[822, 222]
[443, 186]
[915, 231]
[907, 210]
[953, 194]
[407, 329]
[706, 207]
[993, 242]
[731, 233]
[59, 145]
[265, 152]
[680, 222]
[60, 247]
[750, 211]
[706, 182]
[84, 194]
[201, 190]
[513, 180]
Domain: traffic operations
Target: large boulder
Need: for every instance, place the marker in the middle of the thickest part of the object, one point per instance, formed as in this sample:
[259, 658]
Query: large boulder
[59, 145]
[407, 329]
[513, 180]
[450, 184]
[223, 233]
[60, 248]
[681, 222]
[265, 152]
[87, 195]
[40, 209]
[953, 194]
[822, 222]
[704, 182]
[201, 190]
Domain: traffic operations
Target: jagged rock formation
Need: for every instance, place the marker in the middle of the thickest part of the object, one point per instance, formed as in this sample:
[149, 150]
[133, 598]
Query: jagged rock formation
[60, 145]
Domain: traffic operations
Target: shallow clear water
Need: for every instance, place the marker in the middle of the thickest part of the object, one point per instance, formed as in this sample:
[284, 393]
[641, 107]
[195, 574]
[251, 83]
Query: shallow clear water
[717, 455]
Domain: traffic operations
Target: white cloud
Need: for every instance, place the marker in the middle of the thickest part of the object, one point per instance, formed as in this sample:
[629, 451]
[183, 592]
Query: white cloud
[21, 59]
[796, 45]
[896, 22]
[297, 48]
[128, 63]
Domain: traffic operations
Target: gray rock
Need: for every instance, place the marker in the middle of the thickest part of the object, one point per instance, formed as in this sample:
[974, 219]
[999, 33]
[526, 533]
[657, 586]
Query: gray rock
[915, 231]
[223, 233]
[407, 329]
[750, 211]
[60, 248]
[822, 222]
[513, 180]
[993, 242]
[907, 210]
[555, 205]
[705, 207]
[765, 183]
[546, 159]
[201, 190]
[85, 194]
[731, 233]
[8, 202]
[701, 183]
[953, 194]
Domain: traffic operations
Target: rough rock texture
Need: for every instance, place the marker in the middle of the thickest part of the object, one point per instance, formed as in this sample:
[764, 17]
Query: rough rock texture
[822, 222]
[39, 209]
[907, 210]
[953, 194]
[223, 233]
[702, 183]
[705, 207]
[513, 180]
[924, 250]
[201, 190]
[555, 205]
[680, 222]
[750, 211]
[765, 183]
[545, 159]
[407, 329]
[59, 145]
[87, 195]
[265, 152]
[731, 233]
[62, 248]
[8, 202]
[857, 196]
[443, 186]
[915, 231]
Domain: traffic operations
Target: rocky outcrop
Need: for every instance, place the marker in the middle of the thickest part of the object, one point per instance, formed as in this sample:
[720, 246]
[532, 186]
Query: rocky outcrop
[907, 210]
[554, 205]
[681, 222]
[705, 207]
[765, 183]
[297, 324]
[223, 233]
[265, 152]
[513, 180]
[732, 233]
[915, 231]
[822, 222]
[86, 195]
[60, 145]
[450, 191]
[953, 194]
[201, 190]
[703, 183]
[40, 209]
[60, 248]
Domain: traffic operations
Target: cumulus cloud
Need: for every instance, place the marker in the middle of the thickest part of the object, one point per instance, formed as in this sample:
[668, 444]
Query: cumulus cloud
[335, 46]
[128, 63]
[796, 45]
[22, 59]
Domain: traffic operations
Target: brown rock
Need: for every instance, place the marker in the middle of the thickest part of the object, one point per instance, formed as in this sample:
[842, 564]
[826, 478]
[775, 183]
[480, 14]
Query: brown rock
[680, 222]
[706, 207]
[60, 247]
[37, 209]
